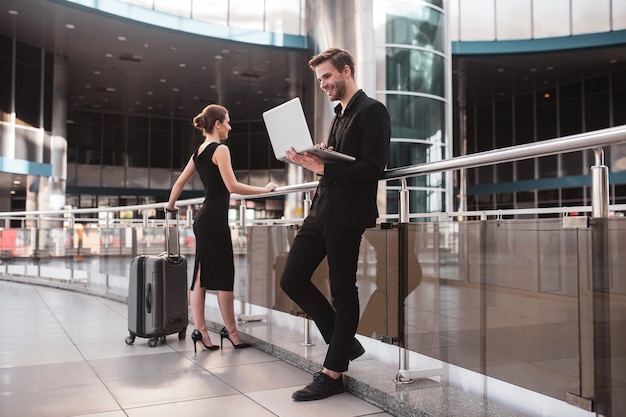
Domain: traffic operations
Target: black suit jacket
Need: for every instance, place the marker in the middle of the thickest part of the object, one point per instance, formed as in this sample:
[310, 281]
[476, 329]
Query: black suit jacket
[363, 131]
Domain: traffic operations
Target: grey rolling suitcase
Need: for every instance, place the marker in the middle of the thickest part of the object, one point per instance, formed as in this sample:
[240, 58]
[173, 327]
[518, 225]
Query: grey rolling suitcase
[157, 294]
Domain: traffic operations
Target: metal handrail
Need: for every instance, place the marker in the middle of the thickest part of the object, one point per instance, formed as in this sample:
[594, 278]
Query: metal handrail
[578, 142]
[581, 141]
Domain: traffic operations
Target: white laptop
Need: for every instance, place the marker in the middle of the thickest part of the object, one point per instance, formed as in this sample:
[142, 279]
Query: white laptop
[286, 126]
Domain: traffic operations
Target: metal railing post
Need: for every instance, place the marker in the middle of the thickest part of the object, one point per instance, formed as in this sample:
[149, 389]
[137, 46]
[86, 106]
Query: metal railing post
[242, 213]
[189, 217]
[599, 186]
[595, 314]
[307, 322]
[403, 375]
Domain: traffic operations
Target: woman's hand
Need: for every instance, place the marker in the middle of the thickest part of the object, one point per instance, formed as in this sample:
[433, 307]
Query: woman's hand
[170, 207]
[270, 187]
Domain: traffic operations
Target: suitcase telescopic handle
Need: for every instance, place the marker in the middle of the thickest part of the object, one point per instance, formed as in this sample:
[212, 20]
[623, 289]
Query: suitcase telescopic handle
[167, 233]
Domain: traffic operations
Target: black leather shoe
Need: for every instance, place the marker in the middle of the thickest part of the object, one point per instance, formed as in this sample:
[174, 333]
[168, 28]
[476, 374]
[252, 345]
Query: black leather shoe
[357, 349]
[322, 386]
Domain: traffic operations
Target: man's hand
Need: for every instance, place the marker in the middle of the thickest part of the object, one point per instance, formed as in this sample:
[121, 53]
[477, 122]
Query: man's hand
[306, 160]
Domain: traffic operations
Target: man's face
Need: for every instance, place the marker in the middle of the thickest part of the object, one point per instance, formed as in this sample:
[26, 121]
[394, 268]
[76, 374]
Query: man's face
[331, 80]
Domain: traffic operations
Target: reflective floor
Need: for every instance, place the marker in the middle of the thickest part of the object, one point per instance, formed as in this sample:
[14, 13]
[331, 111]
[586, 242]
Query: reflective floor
[63, 353]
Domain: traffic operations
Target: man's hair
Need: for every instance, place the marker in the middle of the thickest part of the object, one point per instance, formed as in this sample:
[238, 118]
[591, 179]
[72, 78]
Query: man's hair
[337, 56]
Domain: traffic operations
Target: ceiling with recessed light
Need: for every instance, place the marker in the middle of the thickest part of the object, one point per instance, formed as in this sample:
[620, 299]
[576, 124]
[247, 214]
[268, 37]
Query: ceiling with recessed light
[122, 66]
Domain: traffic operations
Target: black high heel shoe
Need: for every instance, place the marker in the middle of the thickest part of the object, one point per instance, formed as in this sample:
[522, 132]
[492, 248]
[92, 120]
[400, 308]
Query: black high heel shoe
[196, 336]
[224, 335]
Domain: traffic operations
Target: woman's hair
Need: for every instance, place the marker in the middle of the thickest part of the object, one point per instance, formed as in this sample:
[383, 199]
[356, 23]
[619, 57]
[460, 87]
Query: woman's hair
[337, 56]
[205, 121]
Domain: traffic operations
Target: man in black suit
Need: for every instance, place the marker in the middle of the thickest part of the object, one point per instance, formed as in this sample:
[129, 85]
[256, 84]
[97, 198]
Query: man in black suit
[343, 206]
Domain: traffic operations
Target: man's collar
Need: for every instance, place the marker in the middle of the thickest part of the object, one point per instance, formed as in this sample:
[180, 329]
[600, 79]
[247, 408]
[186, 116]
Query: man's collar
[339, 108]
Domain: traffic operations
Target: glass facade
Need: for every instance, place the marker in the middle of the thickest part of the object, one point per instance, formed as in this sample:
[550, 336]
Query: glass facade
[415, 95]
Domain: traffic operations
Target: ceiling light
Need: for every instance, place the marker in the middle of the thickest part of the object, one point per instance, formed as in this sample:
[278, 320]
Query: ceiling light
[182, 65]
[105, 89]
[70, 26]
[16, 182]
[13, 12]
[131, 57]
[149, 93]
[121, 38]
[162, 80]
[218, 57]
[546, 95]
[108, 55]
[172, 48]
[175, 89]
[613, 61]
[96, 72]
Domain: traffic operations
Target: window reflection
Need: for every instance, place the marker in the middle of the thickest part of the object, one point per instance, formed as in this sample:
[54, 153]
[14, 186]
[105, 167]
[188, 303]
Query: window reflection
[416, 117]
[415, 70]
[425, 31]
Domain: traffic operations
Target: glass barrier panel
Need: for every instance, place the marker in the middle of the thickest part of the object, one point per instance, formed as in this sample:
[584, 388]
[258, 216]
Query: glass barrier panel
[267, 250]
[498, 297]
[377, 283]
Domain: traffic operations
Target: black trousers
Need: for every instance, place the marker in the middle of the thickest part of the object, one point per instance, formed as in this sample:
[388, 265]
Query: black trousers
[337, 322]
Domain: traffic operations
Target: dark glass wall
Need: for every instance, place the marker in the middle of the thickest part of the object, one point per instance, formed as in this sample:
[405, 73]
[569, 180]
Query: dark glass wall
[557, 111]
[33, 83]
[156, 142]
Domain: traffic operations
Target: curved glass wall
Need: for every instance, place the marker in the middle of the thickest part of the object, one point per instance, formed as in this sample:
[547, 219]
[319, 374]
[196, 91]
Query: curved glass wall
[413, 79]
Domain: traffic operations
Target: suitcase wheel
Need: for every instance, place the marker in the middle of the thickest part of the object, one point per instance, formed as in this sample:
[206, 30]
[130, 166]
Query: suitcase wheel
[182, 335]
[130, 340]
[153, 341]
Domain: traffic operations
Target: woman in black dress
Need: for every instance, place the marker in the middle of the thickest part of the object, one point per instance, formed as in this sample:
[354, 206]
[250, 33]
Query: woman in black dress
[214, 267]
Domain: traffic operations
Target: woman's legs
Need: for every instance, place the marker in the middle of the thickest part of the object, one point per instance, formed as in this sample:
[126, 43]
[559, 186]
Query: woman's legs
[196, 299]
[226, 301]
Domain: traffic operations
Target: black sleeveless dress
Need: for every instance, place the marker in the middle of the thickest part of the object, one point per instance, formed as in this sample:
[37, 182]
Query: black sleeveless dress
[214, 248]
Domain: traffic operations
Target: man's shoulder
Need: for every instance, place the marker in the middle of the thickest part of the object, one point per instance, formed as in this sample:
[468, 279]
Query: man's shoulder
[365, 101]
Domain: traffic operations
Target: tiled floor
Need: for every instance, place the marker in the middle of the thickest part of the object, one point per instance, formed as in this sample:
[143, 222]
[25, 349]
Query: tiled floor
[63, 353]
